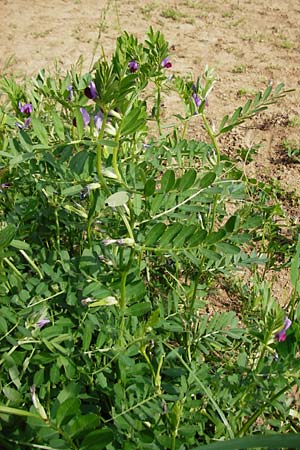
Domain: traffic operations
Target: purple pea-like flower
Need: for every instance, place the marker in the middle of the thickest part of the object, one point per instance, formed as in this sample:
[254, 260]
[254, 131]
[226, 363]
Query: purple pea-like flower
[42, 322]
[26, 108]
[98, 119]
[133, 66]
[166, 63]
[85, 117]
[196, 99]
[91, 91]
[281, 335]
[4, 186]
[71, 93]
[25, 125]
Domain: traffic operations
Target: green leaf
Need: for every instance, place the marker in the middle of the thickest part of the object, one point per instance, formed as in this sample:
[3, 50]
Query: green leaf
[133, 121]
[257, 99]
[78, 161]
[154, 234]
[149, 187]
[67, 410]
[231, 224]
[96, 440]
[12, 394]
[236, 115]
[252, 222]
[117, 199]
[183, 235]
[247, 106]
[187, 180]
[197, 238]
[267, 93]
[20, 245]
[223, 122]
[169, 234]
[139, 309]
[18, 412]
[71, 190]
[227, 248]
[58, 125]
[40, 130]
[167, 180]
[97, 290]
[294, 273]
[79, 123]
[278, 441]
[207, 180]
[215, 236]
[83, 424]
[6, 235]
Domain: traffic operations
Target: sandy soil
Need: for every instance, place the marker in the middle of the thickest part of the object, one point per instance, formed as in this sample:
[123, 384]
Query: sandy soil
[249, 43]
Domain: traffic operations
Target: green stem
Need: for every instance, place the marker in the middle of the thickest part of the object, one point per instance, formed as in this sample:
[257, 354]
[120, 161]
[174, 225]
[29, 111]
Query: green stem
[185, 122]
[99, 155]
[212, 137]
[157, 112]
[213, 214]
[123, 297]
[196, 282]
[126, 222]
[57, 228]
[116, 150]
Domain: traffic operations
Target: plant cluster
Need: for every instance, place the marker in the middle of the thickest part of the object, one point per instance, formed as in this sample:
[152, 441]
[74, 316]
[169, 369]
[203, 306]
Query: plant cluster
[110, 244]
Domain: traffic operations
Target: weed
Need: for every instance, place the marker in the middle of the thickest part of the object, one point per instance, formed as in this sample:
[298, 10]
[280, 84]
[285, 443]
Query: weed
[241, 68]
[171, 13]
[292, 149]
[111, 238]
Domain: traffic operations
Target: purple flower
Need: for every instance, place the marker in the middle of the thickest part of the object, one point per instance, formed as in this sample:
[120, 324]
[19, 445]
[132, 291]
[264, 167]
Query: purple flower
[71, 93]
[281, 335]
[4, 186]
[91, 91]
[25, 125]
[166, 63]
[85, 117]
[98, 118]
[133, 66]
[26, 108]
[42, 322]
[196, 99]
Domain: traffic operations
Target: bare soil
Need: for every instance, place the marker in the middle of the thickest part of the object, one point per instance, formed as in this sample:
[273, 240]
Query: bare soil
[249, 43]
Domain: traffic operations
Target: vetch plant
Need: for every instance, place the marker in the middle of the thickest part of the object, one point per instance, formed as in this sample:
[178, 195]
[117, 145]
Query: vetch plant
[120, 237]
